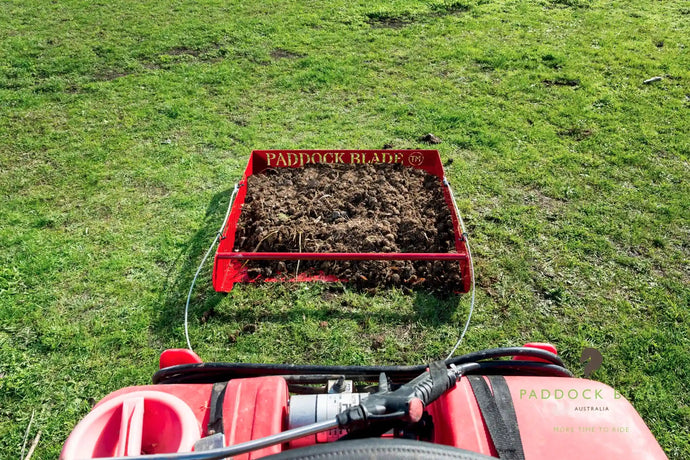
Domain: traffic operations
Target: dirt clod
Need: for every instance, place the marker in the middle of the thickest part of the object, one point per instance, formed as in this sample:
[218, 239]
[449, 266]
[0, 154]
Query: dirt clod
[430, 139]
[249, 328]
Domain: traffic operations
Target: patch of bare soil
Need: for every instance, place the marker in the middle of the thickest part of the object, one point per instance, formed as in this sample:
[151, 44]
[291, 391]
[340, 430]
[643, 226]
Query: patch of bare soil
[347, 208]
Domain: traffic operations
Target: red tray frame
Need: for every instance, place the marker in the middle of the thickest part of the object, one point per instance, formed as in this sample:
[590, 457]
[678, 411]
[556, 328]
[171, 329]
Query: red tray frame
[228, 266]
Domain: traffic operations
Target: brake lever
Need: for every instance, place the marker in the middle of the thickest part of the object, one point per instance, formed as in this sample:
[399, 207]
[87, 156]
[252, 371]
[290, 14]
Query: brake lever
[408, 401]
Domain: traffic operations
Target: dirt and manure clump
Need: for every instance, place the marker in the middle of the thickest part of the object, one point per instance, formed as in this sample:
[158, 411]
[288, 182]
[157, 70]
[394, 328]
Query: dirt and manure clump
[348, 208]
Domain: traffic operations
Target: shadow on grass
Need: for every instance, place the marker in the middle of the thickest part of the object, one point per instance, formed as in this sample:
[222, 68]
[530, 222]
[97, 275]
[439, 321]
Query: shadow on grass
[428, 309]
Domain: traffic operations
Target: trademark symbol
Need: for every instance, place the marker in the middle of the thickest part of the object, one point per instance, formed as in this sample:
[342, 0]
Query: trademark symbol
[416, 159]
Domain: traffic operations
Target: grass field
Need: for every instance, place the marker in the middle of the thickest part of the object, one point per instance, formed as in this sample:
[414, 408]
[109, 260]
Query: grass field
[124, 125]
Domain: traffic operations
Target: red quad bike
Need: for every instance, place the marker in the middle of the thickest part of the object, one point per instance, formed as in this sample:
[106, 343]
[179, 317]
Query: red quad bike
[474, 406]
[508, 403]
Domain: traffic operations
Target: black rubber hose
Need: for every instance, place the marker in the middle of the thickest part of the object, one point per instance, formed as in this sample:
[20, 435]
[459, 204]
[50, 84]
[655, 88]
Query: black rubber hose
[528, 368]
[493, 353]
[216, 372]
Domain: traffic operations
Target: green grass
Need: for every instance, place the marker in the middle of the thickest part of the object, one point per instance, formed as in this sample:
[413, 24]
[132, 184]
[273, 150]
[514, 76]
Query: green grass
[124, 125]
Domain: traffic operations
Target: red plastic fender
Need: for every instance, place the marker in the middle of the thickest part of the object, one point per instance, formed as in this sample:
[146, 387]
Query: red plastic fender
[565, 418]
[171, 418]
[178, 356]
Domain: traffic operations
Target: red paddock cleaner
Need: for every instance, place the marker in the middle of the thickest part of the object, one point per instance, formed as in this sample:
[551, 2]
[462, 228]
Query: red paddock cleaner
[230, 265]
